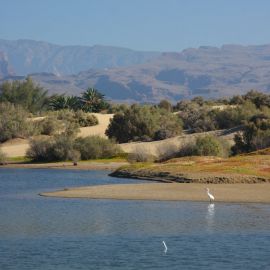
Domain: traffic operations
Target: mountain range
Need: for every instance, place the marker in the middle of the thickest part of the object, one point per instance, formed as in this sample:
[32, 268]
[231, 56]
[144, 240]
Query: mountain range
[29, 56]
[5, 68]
[144, 77]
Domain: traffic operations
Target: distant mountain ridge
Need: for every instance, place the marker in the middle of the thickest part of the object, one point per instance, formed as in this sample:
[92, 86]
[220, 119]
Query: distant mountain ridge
[5, 68]
[206, 71]
[29, 56]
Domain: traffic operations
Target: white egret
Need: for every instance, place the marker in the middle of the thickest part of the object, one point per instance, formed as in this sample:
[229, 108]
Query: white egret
[210, 196]
[165, 246]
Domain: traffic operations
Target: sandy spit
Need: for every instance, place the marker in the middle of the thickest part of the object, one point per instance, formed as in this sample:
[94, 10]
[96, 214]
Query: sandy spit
[238, 193]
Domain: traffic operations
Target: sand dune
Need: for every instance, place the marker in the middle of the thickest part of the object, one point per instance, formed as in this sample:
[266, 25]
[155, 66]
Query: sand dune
[18, 147]
[15, 147]
[103, 119]
[157, 148]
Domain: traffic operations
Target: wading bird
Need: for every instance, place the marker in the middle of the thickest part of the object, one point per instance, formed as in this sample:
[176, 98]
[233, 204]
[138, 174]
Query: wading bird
[210, 196]
[165, 246]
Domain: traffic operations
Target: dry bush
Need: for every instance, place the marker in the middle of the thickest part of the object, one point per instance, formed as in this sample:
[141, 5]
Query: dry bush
[3, 157]
[93, 147]
[167, 151]
[141, 154]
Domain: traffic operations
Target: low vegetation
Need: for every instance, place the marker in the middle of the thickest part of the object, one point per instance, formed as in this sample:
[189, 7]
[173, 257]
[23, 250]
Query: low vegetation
[26, 94]
[255, 135]
[143, 123]
[14, 124]
[240, 169]
[63, 148]
[95, 147]
[207, 146]
[54, 134]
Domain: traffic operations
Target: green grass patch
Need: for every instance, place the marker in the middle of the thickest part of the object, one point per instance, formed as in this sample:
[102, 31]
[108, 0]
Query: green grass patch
[18, 159]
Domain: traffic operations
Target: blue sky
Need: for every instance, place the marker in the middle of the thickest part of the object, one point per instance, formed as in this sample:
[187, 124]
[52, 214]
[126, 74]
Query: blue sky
[160, 25]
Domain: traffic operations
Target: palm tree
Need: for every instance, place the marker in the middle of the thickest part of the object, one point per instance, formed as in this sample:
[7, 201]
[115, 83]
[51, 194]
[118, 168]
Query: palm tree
[93, 101]
[73, 103]
[58, 102]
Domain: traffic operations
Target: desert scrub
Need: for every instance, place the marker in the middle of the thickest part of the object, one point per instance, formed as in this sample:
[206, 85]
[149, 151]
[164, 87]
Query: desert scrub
[14, 124]
[207, 146]
[85, 119]
[140, 154]
[94, 147]
[80, 118]
[143, 123]
[57, 148]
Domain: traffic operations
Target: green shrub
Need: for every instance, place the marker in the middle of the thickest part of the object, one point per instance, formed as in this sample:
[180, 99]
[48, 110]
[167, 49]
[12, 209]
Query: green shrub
[143, 123]
[93, 147]
[207, 146]
[85, 119]
[25, 93]
[58, 148]
[79, 117]
[50, 126]
[186, 149]
[14, 123]
[166, 105]
[255, 135]
[60, 122]
[40, 149]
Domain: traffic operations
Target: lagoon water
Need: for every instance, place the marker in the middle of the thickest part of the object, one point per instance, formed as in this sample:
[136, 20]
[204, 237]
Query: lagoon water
[52, 233]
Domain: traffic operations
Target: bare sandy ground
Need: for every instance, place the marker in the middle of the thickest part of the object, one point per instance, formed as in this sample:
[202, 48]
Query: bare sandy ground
[238, 193]
[15, 147]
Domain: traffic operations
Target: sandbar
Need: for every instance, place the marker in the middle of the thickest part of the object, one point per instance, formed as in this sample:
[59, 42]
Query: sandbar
[237, 193]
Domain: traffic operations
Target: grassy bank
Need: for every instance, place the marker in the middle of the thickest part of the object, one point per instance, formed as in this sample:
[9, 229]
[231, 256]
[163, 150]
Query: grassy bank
[252, 168]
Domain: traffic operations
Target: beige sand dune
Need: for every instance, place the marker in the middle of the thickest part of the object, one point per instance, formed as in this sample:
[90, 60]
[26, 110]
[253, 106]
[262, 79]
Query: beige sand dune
[15, 148]
[103, 119]
[257, 193]
[157, 148]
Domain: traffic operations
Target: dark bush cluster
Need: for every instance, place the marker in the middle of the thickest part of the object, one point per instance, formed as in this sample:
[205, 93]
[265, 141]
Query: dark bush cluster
[203, 118]
[62, 148]
[143, 123]
[255, 135]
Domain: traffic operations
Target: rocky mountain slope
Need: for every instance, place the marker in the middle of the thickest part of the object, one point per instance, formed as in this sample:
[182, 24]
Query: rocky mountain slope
[5, 68]
[206, 71]
[29, 56]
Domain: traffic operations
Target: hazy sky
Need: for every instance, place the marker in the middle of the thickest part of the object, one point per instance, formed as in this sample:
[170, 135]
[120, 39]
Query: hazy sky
[161, 25]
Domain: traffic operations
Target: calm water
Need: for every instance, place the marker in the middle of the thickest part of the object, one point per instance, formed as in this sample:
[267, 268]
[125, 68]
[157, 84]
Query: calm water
[51, 233]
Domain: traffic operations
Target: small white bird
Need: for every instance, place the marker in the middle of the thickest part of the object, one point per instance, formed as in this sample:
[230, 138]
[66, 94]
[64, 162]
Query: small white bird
[210, 196]
[165, 246]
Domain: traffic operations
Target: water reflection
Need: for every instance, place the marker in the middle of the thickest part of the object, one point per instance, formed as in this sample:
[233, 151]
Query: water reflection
[210, 216]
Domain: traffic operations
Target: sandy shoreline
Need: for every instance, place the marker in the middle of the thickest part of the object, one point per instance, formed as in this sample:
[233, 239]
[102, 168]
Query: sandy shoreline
[67, 165]
[238, 193]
